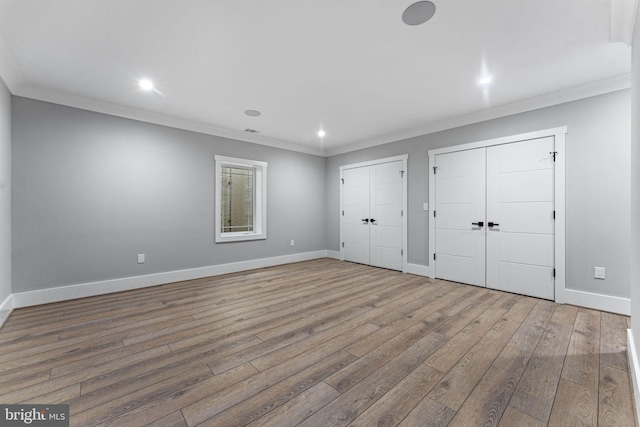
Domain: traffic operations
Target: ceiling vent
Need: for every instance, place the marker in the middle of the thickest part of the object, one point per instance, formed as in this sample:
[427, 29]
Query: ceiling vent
[251, 130]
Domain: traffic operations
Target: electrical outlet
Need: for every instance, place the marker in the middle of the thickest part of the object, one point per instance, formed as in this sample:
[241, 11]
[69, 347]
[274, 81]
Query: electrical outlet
[293, 242]
[140, 258]
[598, 272]
[425, 206]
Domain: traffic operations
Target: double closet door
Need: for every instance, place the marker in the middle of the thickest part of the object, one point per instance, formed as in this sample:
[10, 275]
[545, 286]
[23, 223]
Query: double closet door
[494, 217]
[372, 214]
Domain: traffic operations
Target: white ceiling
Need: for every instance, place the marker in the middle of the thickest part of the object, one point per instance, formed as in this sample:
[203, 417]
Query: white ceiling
[351, 67]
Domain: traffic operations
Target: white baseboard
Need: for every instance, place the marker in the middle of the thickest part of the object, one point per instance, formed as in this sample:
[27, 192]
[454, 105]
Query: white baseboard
[634, 368]
[597, 301]
[333, 254]
[62, 293]
[419, 270]
[45, 296]
[5, 309]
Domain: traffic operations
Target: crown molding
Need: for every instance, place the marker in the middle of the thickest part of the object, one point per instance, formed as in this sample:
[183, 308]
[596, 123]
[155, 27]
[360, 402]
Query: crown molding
[623, 18]
[98, 106]
[576, 93]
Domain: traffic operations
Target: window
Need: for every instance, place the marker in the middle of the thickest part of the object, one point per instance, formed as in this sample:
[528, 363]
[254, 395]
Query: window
[241, 199]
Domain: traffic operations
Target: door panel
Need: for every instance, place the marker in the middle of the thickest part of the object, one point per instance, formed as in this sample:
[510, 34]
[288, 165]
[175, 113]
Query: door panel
[526, 217]
[522, 248]
[459, 189]
[533, 154]
[388, 194]
[455, 242]
[390, 258]
[389, 237]
[388, 173]
[532, 280]
[449, 215]
[356, 244]
[529, 186]
[520, 255]
[457, 164]
[390, 215]
[459, 269]
[386, 208]
[355, 204]
[460, 201]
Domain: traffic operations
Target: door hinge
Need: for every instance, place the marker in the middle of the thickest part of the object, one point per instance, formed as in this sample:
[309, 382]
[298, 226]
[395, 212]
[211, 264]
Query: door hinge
[434, 257]
[343, 244]
[434, 169]
[342, 213]
[434, 214]
[342, 179]
[554, 214]
[554, 272]
[401, 251]
[402, 213]
[554, 154]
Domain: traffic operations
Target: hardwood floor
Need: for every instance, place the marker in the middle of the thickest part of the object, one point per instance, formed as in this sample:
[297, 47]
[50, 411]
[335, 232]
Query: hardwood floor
[319, 343]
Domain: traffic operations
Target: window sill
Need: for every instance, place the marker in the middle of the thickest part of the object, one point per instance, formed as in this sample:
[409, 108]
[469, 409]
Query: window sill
[239, 237]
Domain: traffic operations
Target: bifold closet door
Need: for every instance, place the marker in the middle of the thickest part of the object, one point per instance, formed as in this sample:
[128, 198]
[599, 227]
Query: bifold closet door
[520, 202]
[460, 212]
[372, 226]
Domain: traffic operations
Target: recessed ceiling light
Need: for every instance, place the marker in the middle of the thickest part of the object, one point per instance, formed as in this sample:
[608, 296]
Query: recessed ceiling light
[321, 133]
[419, 13]
[252, 113]
[145, 84]
[485, 80]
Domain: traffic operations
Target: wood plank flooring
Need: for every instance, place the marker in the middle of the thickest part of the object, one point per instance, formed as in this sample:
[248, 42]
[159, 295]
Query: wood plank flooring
[319, 343]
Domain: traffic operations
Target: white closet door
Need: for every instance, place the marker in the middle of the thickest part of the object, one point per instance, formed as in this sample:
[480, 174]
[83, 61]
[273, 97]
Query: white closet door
[355, 206]
[386, 215]
[460, 202]
[372, 218]
[520, 202]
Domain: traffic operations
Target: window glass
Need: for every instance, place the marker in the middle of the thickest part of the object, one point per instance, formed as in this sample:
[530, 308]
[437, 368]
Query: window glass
[241, 199]
[237, 199]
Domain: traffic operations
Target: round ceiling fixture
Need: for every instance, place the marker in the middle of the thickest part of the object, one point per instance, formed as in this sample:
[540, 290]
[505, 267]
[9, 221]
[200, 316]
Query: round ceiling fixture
[321, 133]
[253, 113]
[419, 13]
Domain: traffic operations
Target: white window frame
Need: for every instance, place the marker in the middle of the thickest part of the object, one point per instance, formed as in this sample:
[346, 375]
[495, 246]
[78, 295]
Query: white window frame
[260, 193]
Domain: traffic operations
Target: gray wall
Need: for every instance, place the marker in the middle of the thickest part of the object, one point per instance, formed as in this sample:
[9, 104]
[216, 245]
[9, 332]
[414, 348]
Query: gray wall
[597, 184]
[5, 193]
[635, 190]
[90, 191]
